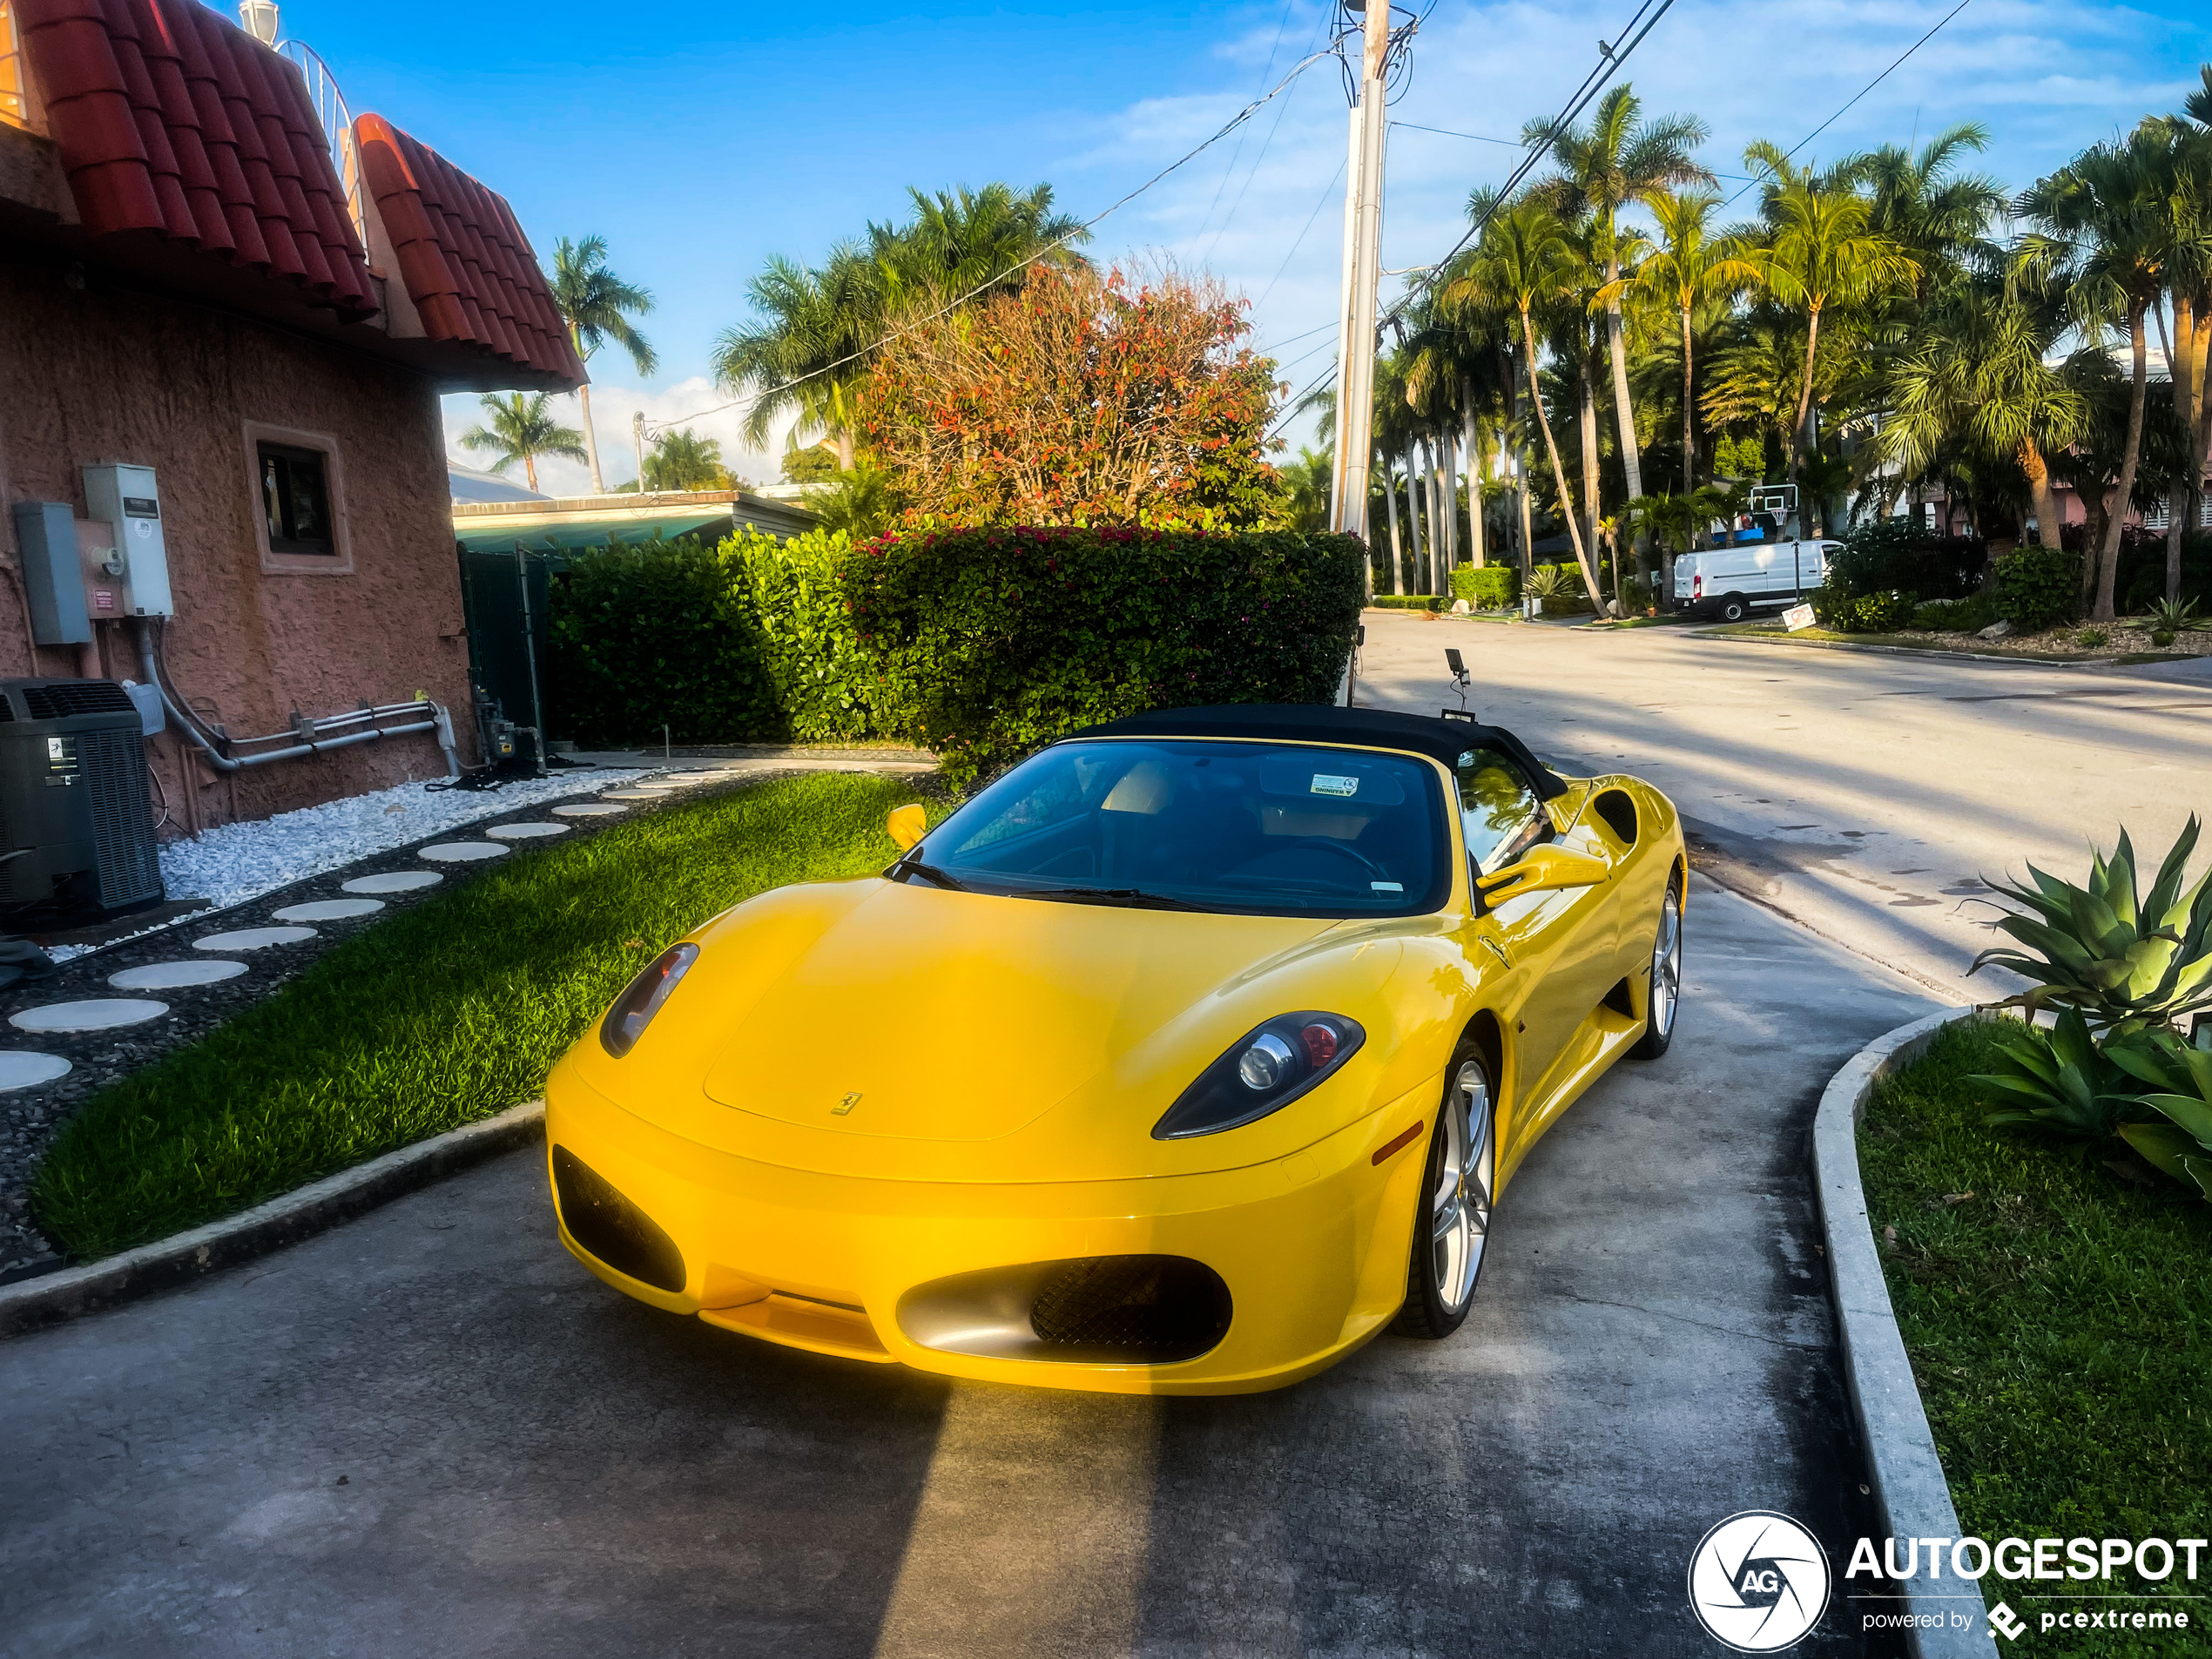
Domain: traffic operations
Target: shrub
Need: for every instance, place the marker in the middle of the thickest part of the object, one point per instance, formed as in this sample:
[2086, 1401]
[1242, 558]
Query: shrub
[1897, 555]
[1869, 613]
[1956, 616]
[1410, 602]
[2161, 638]
[747, 642]
[2038, 587]
[985, 642]
[2091, 639]
[1489, 587]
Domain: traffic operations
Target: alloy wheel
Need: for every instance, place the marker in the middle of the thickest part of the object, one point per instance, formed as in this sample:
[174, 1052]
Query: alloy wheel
[1666, 966]
[1460, 1202]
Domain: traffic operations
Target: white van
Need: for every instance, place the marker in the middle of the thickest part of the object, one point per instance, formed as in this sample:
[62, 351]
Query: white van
[1730, 582]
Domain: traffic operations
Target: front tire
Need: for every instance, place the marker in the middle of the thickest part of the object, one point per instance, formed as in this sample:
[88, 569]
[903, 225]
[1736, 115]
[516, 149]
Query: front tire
[1452, 1225]
[1663, 1000]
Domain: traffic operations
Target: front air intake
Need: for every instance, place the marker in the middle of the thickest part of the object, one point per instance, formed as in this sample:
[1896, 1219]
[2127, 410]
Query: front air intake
[611, 1228]
[1132, 1310]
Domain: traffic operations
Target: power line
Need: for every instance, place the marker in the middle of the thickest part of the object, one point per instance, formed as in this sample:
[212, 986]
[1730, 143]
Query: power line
[1283, 24]
[1277, 345]
[1327, 190]
[1609, 60]
[1510, 144]
[1223, 131]
[1861, 93]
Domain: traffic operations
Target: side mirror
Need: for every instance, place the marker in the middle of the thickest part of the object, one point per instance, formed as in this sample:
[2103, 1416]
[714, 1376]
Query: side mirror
[907, 824]
[1541, 869]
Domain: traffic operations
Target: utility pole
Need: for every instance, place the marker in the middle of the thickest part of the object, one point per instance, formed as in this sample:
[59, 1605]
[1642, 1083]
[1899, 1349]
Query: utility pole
[1362, 271]
[637, 440]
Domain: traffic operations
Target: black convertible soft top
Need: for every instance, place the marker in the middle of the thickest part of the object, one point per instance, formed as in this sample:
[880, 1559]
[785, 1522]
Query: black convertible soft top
[1422, 734]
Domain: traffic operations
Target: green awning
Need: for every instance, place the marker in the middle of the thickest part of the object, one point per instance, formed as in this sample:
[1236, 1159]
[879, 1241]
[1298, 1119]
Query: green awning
[552, 532]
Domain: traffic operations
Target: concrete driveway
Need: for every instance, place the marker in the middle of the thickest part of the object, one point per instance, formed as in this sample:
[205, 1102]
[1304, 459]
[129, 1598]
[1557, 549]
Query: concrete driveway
[431, 1433]
[1863, 793]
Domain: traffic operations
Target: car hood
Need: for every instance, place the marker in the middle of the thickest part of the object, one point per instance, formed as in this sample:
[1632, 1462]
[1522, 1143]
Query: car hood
[923, 1014]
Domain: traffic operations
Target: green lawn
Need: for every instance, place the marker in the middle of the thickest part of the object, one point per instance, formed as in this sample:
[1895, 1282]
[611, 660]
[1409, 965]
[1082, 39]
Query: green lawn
[441, 1015]
[2060, 1322]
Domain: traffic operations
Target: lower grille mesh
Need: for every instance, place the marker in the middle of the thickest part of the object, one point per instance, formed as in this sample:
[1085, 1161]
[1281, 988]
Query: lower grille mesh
[1132, 1310]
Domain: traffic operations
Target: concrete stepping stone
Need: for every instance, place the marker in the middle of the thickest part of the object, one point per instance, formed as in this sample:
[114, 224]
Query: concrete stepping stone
[590, 809]
[174, 976]
[392, 881]
[525, 832]
[21, 1068]
[93, 1013]
[328, 910]
[252, 939]
[462, 851]
[630, 794]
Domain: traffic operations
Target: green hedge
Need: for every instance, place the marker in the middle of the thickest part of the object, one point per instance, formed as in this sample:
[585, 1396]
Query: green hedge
[2038, 587]
[985, 643]
[1410, 602]
[1489, 587]
[746, 642]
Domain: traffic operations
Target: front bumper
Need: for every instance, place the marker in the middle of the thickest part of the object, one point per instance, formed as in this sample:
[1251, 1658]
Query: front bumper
[1312, 1248]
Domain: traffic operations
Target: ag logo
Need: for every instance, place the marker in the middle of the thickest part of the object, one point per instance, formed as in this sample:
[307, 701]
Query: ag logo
[1758, 1581]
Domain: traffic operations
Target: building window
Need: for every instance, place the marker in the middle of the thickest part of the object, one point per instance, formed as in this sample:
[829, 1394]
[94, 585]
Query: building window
[295, 496]
[15, 101]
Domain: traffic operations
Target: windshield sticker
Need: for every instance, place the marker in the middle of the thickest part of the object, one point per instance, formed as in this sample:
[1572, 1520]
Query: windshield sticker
[1388, 887]
[1326, 783]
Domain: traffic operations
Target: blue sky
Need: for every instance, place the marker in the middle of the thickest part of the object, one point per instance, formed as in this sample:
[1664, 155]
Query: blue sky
[699, 140]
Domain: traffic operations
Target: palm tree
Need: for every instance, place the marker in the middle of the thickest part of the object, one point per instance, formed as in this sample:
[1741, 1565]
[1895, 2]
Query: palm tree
[1521, 260]
[809, 348]
[816, 332]
[1688, 267]
[1822, 253]
[1939, 216]
[1309, 480]
[2106, 237]
[597, 305]
[1977, 371]
[1616, 160]
[683, 460]
[520, 429]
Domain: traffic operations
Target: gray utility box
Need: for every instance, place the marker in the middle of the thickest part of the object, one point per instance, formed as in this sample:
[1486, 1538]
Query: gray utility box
[76, 813]
[126, 498]
[52, 575]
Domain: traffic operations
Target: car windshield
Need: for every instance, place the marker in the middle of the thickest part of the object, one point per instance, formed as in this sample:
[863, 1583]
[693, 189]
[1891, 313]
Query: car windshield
[1253, 828]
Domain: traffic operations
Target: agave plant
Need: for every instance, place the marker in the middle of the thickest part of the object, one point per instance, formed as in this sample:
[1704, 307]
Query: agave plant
[2174, 615]
[2180, 1080]
[2058, 1081]
[2125, 962]
[1549, 582]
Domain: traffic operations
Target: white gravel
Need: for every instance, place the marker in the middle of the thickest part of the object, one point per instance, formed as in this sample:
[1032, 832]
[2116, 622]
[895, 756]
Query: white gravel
[234, 862]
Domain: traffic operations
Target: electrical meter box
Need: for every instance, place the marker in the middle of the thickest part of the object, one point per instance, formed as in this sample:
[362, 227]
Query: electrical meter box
[126, 498]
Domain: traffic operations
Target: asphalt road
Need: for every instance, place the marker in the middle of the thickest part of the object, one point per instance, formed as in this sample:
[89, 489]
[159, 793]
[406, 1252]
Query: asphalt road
[431, 1433]
[1865, 794]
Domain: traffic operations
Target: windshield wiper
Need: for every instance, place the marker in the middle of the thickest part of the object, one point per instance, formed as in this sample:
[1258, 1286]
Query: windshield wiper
[929, 873]
[1132, 898]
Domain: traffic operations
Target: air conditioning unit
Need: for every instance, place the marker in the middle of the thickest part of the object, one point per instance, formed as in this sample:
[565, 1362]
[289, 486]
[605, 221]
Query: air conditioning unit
[75, 818]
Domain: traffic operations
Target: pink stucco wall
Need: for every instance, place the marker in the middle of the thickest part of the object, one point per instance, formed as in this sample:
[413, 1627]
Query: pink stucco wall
[91, 370]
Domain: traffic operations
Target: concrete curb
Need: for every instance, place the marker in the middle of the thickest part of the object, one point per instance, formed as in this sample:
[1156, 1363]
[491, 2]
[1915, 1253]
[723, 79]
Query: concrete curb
[1910, 1489]
[40, 1301]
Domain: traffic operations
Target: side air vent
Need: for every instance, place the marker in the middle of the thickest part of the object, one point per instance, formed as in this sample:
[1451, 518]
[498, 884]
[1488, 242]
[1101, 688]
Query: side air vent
[1618, 814]
[611, 1228]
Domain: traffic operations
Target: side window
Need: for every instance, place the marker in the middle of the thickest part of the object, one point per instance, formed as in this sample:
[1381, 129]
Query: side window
[1501, 815]
[295, 498]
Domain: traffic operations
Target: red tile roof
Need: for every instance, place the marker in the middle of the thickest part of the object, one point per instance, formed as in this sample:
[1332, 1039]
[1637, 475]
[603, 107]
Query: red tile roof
[466, 265]
[171, 121]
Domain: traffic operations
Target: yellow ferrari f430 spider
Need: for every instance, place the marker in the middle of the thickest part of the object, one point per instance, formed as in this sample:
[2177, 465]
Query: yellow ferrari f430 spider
[1184, 1058]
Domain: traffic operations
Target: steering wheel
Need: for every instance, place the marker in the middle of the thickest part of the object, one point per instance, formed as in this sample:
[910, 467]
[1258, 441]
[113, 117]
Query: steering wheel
[1346, 850]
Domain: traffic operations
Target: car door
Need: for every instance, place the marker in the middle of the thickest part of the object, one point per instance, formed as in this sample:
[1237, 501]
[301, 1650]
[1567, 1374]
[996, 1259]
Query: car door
[1559, 945]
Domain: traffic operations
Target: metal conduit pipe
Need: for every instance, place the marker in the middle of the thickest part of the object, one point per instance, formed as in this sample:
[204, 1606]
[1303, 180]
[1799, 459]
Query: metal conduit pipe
[439, 722]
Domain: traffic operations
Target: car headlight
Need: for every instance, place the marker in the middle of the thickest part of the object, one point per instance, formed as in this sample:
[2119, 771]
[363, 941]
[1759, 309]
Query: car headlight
[1265, 1070]
[634, 1010]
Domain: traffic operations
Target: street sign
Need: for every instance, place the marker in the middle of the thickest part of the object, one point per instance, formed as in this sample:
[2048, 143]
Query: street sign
[1798, 617]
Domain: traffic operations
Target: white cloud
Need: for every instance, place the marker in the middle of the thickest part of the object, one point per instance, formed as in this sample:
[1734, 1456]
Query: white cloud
[681, 404]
